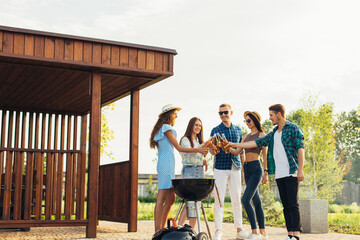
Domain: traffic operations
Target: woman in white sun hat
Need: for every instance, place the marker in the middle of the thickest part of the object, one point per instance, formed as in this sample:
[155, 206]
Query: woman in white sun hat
[163, 137]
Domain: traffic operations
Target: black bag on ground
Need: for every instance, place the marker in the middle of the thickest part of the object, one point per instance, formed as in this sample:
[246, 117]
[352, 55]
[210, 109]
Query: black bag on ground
[175, 233]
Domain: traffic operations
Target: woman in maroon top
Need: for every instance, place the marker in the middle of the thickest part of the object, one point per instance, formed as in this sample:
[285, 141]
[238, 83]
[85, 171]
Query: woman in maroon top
[253, 173]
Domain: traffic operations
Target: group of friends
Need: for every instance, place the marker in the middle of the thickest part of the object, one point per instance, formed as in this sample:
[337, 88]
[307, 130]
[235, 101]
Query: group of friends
[282, 152]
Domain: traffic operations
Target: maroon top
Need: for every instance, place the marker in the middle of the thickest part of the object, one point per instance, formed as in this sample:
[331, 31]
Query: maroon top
[249, 138]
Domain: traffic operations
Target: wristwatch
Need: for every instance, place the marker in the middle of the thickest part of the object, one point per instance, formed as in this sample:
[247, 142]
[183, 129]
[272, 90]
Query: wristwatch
[265, 170]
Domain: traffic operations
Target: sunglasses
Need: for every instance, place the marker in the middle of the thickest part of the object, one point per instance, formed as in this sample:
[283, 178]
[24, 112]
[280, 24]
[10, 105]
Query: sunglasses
[247, 120]
[224, 112]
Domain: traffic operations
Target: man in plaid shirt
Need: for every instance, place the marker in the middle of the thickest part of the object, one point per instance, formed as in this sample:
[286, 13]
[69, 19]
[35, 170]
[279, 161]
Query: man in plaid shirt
[285, 159]
[227, 169]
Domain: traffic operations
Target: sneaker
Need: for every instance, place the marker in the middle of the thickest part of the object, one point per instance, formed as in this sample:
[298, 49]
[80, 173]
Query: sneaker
[265, 237]
[288, 238]
[217, 235]
[254, 237]
[293, 238]
[242, 235]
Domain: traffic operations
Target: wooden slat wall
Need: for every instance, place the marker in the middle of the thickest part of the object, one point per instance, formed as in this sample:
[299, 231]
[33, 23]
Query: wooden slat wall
[33, 147]
[57, 48]
[114, 201]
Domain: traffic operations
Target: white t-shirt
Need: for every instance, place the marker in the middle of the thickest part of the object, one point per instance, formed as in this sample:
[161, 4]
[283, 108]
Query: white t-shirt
[282, 167]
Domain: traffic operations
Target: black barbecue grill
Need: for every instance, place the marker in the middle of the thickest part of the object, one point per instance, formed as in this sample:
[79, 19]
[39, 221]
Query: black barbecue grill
[192, 190]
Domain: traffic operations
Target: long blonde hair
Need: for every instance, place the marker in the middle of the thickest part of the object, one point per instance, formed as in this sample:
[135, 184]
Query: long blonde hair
[165, 118]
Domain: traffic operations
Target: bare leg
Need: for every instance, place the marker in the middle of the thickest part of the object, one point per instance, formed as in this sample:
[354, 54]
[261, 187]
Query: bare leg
[182, 218]
[169, 201]
[164, 200]
[192, 222]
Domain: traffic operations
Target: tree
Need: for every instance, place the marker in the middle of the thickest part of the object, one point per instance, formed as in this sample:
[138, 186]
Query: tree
[267, 126]
[347, 130]
[106, 133]
[322, 168]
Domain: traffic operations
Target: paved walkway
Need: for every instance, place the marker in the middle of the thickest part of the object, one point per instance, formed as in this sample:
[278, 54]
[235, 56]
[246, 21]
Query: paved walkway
[117, 231]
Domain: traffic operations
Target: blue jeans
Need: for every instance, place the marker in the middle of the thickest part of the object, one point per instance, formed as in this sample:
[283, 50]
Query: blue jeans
[253, 174]
[192, 171]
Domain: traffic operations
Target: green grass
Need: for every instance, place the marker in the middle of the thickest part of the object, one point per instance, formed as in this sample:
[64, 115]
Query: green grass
[341, 220]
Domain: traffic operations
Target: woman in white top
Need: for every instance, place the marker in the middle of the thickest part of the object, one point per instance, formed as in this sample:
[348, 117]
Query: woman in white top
[193, 163]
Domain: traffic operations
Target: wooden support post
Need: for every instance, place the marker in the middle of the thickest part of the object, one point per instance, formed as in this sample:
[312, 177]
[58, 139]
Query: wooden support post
[94, 155]
[134, 146]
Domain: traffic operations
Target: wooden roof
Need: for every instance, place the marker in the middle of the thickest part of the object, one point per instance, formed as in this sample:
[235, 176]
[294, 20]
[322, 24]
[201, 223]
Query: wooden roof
[41, 71]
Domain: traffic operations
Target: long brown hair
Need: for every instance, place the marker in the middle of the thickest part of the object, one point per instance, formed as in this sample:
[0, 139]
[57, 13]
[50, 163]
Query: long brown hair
[165, 118]
[256, 122]
[189, 131]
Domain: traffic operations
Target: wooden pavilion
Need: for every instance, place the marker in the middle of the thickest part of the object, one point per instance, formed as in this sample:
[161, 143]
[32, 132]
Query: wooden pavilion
[52, 86]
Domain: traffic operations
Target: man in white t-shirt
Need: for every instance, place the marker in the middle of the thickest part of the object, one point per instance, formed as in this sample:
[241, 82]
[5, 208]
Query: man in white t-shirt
[285, 159]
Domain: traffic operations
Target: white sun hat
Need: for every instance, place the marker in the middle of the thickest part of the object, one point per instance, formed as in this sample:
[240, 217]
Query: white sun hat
[168, 107]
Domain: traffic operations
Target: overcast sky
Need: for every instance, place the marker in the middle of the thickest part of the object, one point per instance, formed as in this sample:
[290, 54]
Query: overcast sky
[250, 54]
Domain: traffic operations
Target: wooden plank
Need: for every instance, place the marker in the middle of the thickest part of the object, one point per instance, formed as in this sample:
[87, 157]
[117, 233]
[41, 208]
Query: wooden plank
[19, 43]
[38, 170]
[158, 61]
[87, 52]
[69, 49]
[171, 62]
[8, 171]
[60, 171]
[115, 56]
[29, 45]
[41, 223]
[39, 150]
[59, 48]
[80, 199]
[2, 141]
[49, 47]
[96, 54]
[8, 42]
[133, 57]
[75, 163]
[49, 173]
[141, 59]
[1, 40]
[124, 57]
[39, 46]
[78, 51]
[150, 60]
[55, 163]
[29, 171]
[68, 180]
[166, 63]
[18, 169]
[105, 54]
[94, 154]
[42, 162]
[134, 150]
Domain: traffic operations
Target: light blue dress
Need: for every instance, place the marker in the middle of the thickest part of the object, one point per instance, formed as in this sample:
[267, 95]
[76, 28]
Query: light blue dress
[166, 157]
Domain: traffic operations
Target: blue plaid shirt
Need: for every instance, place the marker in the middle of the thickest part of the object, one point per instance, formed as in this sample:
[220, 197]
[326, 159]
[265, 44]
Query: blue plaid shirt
[292, 139]
[223, 161]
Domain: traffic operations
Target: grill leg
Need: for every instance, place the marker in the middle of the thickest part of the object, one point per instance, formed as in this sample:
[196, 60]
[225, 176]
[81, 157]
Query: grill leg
[206, 222]
[179, 210]
[198, 215]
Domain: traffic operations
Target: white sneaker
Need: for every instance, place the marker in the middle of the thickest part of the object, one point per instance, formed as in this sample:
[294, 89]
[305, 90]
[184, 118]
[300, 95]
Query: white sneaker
[292, 238]
[242, 235]
[265, 237]
[287, 238]
[253, 237]
[217, 235]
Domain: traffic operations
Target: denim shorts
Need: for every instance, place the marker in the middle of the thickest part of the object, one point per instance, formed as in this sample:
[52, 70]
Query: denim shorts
[192, 171]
